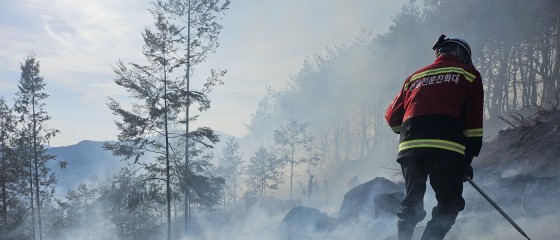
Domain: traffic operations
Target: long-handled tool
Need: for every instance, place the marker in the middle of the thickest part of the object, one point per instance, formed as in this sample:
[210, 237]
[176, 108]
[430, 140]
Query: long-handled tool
[497, 208]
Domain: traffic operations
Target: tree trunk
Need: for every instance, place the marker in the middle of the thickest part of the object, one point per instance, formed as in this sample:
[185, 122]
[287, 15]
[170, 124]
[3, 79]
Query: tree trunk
[291, 172]
[364, 133]
[4, 192]
[555, 71]
[188, 73]
[336, 135]
[32, 205]
[167, 170]
[548, 82]
[36, 162]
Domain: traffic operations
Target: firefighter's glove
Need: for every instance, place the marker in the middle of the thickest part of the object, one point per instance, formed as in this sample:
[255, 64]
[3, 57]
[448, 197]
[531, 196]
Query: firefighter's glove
[467, 172]
[467, 168]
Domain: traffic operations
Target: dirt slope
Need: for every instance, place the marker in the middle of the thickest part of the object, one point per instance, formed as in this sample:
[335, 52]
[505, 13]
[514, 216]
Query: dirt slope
[530, 147]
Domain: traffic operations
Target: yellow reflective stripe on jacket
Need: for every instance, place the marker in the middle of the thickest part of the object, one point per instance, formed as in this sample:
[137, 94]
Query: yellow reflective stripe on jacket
[396, 129]
[469, 76]
[432, 143]
[474, 132]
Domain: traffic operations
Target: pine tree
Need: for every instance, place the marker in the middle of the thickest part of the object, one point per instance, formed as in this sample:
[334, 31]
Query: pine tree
[7, 176]
[231, 165]
[264, 171]
[34, 135]
[163, 91]
[132, 201]
[201, 28]
[146, 127]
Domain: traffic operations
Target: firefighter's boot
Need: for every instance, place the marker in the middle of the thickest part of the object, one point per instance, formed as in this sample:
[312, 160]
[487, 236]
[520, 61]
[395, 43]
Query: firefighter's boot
[435, 231]
[406, 230]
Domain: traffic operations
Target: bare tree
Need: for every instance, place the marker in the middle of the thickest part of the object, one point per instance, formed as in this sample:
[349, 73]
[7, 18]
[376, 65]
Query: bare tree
[293, 138]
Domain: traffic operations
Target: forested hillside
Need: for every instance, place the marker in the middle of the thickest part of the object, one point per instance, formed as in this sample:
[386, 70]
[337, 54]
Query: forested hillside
[342, 94]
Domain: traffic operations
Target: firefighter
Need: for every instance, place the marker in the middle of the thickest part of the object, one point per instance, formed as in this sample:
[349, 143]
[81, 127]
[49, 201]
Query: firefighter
[438, 114]
[310, 184]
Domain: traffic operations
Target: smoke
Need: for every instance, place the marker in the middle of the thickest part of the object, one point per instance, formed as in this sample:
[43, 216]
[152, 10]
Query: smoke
[258, 221]
[372, 77]
[491, 225]
[531, 202]
[87, 233]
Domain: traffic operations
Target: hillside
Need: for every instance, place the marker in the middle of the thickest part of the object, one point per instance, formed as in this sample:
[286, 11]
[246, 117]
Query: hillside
[530, 147]
[519, 169]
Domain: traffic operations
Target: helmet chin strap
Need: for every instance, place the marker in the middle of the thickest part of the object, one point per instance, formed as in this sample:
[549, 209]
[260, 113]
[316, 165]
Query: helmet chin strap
[463, 56]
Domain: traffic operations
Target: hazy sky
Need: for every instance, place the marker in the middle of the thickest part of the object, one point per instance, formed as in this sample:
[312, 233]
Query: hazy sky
[78, 41]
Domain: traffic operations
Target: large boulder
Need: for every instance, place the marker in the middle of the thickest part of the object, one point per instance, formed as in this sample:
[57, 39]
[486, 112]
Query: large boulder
[376, 199]
[360, 202]
[302, 222]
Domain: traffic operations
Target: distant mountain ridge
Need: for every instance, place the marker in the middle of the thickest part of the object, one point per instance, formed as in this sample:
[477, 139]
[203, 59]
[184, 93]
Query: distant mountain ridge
[88, 160]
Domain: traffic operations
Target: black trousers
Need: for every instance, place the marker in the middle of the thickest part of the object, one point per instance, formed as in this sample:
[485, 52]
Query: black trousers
[445, 171]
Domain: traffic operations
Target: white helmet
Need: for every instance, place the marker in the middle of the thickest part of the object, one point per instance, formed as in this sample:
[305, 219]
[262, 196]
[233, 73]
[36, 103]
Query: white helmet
[455, 46]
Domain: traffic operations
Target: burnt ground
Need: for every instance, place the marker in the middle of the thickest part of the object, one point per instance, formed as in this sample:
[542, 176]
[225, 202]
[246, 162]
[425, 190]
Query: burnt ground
[530, 147]
[520, 170]
[521, 166]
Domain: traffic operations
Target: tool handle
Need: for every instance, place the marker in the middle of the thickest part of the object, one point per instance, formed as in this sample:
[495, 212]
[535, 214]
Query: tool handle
[497, 208]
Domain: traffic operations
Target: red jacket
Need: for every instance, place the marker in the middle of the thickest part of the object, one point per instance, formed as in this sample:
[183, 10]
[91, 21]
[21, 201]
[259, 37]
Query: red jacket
[440, 106]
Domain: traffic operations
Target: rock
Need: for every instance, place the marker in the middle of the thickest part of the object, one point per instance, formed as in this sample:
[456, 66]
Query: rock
[302, 221]
[376, 199]
[359, 201]
[387, 204]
